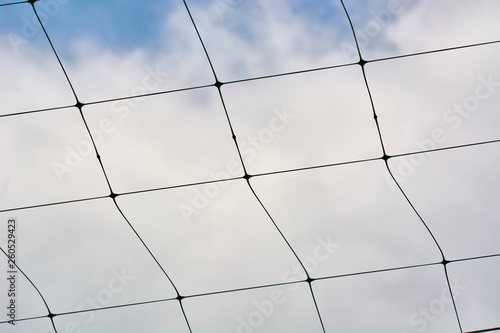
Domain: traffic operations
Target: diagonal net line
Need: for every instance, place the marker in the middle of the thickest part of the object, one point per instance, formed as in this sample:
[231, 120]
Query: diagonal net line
[279, 284]
[485, 330]
[258, 78]
[12, 3]
[247, 177]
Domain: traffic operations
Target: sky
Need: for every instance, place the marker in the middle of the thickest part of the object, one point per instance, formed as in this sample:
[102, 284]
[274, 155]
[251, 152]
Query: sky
[216, 166]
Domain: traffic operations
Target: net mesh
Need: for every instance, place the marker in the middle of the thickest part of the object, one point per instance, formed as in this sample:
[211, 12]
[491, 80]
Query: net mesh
[258, 181]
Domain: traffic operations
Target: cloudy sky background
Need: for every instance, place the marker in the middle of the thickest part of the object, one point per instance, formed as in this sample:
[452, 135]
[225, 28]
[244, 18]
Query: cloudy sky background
[224, 245]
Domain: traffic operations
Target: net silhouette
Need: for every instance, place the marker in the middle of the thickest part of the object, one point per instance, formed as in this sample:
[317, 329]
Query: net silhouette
[248, 177]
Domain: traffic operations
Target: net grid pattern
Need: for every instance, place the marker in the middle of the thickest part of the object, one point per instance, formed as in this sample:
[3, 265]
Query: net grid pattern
[247, 176]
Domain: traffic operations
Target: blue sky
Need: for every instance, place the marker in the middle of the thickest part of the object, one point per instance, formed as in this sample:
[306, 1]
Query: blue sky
[121, 26]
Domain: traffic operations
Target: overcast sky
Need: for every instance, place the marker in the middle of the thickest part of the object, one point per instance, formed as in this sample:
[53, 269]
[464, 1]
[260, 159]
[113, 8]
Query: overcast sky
[321, 238]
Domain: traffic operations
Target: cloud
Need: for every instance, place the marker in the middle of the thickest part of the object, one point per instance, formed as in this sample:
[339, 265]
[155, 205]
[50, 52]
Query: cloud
[258, 38]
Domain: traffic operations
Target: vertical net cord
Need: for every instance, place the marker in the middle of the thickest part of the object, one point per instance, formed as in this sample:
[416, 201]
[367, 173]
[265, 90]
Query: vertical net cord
[247, 176]
[112, 195]
[37, 291]
[451, 295]
[386, 157]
